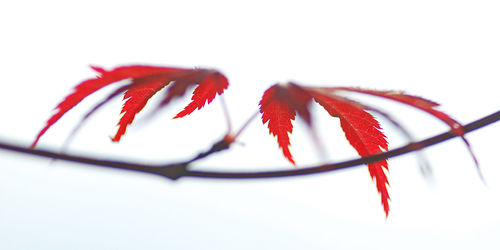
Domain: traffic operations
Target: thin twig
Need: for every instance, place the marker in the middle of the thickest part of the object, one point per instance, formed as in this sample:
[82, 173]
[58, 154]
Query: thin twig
[245, 125]
[177, 170]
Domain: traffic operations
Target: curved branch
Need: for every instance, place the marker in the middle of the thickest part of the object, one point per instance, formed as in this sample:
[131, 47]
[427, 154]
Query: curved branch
[177, 170]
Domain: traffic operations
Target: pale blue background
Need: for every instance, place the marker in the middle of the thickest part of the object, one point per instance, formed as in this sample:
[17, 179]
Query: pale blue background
[444, 50]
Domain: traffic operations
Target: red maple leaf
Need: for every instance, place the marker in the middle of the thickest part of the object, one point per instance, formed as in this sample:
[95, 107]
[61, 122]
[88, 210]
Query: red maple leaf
[278, 107]
[419, 103]
[146, 82]
[364, 134]
[280, 103]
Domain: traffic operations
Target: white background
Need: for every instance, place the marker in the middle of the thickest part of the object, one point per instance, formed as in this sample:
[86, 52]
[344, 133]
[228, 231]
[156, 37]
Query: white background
[447, 51]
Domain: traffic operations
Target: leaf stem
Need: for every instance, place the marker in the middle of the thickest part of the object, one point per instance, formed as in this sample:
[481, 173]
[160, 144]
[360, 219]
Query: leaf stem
[226, 113]
[246, 124]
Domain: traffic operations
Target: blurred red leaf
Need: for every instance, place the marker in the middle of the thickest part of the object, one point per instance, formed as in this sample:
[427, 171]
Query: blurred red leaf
[363, 133]
[146, 82]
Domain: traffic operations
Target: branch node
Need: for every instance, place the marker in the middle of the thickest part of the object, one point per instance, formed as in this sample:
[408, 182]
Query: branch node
[173, 171]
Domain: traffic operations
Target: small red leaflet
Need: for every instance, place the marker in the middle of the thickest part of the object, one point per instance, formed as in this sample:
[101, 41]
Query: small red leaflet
[146, 81]
[278, 107]
[281, 102]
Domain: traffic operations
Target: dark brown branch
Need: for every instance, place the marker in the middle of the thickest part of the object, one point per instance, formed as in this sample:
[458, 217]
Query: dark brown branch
[175, 171]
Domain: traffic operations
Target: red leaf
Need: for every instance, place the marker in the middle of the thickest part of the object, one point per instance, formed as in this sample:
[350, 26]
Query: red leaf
[280, 103]
[363, 133]
[146, 81]
[278, 106]
[136, 98]
[213, 84]
[424, 105]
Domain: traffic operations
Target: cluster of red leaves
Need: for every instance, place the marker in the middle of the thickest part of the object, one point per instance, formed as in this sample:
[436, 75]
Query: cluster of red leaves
[279, 106]
[281, 102]
[146, 81]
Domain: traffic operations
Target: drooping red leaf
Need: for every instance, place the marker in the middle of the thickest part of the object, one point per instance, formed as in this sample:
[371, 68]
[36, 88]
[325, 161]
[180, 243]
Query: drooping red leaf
[424, 105]
[280, 103]
[135, 99]
[278, 106]
[146, 81]
[213, 84]
[363, 133]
